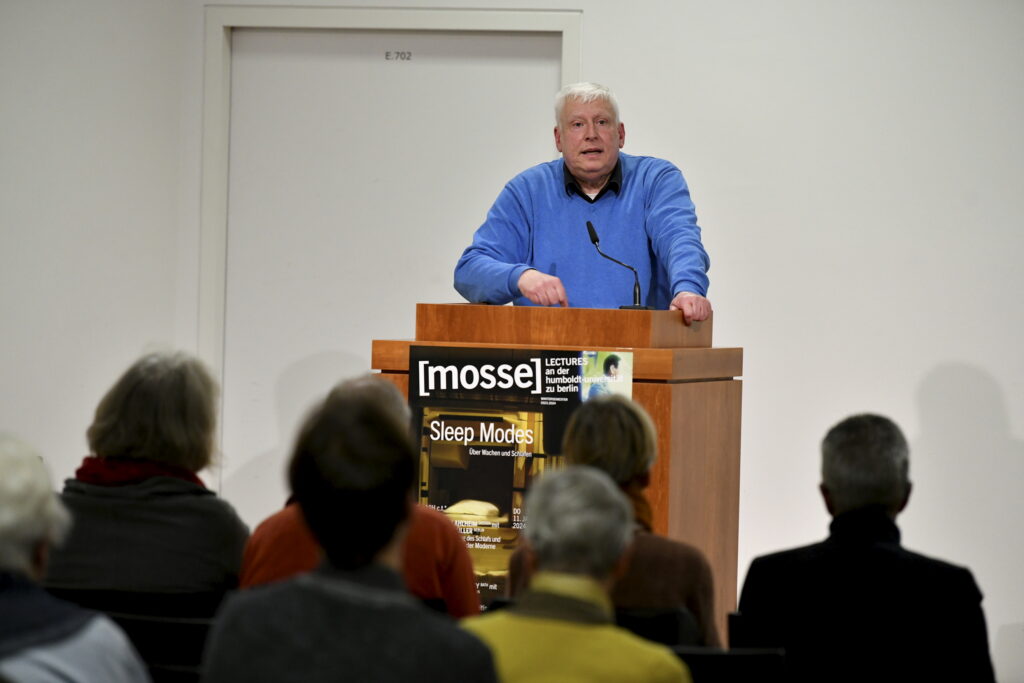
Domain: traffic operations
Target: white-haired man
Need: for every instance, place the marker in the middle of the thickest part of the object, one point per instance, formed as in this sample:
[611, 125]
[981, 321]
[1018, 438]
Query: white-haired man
[858, 606]
[534, 248]
[43, 638]
[579, 526]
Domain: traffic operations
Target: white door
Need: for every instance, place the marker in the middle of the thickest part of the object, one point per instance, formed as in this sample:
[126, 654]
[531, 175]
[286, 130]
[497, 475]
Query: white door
[360, 164]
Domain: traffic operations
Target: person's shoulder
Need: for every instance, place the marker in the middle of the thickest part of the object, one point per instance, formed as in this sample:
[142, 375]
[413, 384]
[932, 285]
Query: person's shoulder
[439, 643]
[655, 661]
[218, 513]
[646, 165]
[937, 572]
[286, 522]
[547, 172]
[101, 651]
[491, 625]
[427, 516]
[429, 526]
[787, 560]
[656, 544]
[100, 632]
[459, 653]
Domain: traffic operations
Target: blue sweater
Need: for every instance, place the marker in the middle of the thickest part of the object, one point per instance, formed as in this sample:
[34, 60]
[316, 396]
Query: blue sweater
[650, 223]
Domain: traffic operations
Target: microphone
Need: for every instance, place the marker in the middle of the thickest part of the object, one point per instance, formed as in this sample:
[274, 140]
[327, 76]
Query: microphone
[636, 277]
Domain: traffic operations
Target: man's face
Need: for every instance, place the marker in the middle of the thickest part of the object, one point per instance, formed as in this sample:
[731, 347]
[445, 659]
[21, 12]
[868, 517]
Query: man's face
[589, 138]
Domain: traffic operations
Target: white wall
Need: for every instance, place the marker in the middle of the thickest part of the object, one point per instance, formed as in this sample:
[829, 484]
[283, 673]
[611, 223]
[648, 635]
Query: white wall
[857, 168]
[90, 206]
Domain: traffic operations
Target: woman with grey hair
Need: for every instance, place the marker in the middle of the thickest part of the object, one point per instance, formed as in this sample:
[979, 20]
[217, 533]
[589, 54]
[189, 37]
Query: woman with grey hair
[616, 435]
[144, 521]
[43, 638]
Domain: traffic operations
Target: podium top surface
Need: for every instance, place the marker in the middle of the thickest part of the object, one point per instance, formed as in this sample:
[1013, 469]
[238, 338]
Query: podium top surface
[582, 327]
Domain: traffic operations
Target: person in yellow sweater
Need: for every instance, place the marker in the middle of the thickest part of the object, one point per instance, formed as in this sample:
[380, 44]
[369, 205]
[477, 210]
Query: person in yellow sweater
[578, 529]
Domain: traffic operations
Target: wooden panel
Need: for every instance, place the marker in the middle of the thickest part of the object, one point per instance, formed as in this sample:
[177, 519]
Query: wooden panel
[648, 364]
[535, 325]
[704, 483]
[694, 490]
[656, 398]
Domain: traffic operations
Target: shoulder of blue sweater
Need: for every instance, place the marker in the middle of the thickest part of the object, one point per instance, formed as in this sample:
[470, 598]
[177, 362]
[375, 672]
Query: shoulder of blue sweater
[632, 162]
[545, 171]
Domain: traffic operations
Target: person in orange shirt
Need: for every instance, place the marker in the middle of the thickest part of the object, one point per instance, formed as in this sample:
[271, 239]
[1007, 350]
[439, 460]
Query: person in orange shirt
[436, 565]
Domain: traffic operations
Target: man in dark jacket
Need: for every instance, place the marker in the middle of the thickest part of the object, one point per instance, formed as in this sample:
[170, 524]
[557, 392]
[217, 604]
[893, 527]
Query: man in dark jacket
[352, 474]
[858, 606]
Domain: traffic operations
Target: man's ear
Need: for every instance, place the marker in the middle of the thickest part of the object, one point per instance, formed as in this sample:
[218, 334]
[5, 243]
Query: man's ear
[558, 139]
[40, 559]
[622, 135]
[622, 564]
[829, 505]
[906, 498]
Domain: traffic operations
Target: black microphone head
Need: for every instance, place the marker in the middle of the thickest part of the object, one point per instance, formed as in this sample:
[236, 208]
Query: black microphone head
[593, 234]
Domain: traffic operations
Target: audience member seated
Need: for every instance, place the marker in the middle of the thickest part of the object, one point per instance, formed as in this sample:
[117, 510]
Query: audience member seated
[436, 566]
[43, 638]
[578, 528]
[615, 435]
[858, 606]
[352, 473]
[143, 519]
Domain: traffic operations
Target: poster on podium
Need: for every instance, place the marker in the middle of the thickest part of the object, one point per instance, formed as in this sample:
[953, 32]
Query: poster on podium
[489, 422]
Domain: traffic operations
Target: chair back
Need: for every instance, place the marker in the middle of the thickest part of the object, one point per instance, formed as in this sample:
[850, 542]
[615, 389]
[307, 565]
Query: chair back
[168, 630]
[668, 626]
[715, 665]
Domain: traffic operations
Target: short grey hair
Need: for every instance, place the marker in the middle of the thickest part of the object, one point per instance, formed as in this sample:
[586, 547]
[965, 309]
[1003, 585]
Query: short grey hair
[614, 434]
[584, 92]
[163, 408]
[865, 461]
[30, 511]
[578, 522]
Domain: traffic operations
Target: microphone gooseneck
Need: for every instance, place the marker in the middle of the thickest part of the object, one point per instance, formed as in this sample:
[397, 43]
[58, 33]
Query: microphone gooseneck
[636, 277]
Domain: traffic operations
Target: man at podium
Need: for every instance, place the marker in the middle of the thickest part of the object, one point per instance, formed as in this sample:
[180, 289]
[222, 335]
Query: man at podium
[537, 245]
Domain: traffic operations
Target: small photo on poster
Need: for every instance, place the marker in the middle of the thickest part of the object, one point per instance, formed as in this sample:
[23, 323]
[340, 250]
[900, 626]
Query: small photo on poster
[605, 373]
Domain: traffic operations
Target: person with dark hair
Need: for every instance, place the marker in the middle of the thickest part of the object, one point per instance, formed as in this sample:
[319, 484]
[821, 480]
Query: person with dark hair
[43, 638]
[579, 527]
[144, 521]
[436, 565]
[611, 374]
[616, 435]
[859, 606]
[352, 473]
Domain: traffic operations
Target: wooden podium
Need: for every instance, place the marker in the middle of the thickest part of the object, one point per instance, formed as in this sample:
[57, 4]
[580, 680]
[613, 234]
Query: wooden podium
[690, 389]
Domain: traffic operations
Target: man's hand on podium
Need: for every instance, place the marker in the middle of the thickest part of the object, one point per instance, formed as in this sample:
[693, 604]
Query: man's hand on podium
[542, 289]
[694, 307]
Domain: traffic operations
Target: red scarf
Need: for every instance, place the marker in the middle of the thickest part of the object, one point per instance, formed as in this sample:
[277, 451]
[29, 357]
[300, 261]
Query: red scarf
[123, 471]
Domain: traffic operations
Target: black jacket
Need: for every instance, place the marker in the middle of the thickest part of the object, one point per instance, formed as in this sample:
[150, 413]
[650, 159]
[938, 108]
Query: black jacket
[858, 606]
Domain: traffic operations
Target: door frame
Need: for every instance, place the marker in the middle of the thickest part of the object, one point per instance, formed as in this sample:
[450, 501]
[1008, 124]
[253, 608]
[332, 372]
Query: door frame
[216, 127]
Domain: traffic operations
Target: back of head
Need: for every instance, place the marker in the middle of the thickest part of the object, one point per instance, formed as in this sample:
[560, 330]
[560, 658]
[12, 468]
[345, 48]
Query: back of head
[578, 522]
[353, 469]
[30, 512]
[585, 92]
[163, 408]
[613, 434]
[864, 462]
[379, 391]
